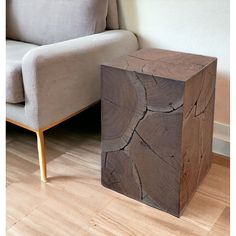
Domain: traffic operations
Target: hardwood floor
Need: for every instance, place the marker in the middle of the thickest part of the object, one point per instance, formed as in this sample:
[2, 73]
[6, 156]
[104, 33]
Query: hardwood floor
[73, 202]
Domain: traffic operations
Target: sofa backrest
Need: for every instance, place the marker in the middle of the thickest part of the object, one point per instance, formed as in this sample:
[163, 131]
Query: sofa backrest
[112, 15]
[49, 21]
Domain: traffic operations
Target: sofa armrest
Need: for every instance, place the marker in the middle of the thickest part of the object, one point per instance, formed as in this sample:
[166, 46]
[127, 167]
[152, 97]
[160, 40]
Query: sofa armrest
[63, 78]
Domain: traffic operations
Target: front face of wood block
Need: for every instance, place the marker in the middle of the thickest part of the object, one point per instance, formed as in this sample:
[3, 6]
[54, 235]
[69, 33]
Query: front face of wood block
[141, 137]
[157, 131]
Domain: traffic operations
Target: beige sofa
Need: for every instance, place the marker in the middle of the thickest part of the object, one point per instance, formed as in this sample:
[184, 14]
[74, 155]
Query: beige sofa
[54, 51]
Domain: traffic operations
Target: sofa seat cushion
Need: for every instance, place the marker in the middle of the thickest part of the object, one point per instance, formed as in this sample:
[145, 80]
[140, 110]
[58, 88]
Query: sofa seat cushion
[15, 52]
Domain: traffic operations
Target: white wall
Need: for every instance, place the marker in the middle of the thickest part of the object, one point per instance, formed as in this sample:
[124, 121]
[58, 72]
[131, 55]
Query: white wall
[196, 26]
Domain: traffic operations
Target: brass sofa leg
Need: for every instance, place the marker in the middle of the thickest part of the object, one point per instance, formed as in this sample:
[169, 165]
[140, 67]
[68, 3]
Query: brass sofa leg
[42, 155]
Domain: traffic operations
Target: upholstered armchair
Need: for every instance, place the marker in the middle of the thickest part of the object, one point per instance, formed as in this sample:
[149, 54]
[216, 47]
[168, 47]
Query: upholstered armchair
[54, 52]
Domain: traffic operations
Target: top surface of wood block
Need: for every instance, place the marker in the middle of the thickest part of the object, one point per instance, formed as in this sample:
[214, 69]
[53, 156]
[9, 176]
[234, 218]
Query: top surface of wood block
[163, 63]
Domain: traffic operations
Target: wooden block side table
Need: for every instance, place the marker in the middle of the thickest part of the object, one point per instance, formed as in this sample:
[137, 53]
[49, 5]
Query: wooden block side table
[157, 126]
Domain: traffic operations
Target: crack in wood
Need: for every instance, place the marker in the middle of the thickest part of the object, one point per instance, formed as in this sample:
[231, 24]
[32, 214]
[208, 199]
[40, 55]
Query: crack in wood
[166, 112]
[158, 155]
[196, 115]
[203, 80]
[188, 114]
[144, 67]
[200, 91]
[132, 56]
[111, 173]
[105, 160]
[123, 149]
[145, 90]
[152, 60]
[139, 178]
[144, 114]
[139, 111]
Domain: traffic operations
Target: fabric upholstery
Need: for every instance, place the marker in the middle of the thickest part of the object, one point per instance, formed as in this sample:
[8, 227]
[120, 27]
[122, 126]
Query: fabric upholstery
[112, 15]
[63, 78]
[45, 22]
[15, 51]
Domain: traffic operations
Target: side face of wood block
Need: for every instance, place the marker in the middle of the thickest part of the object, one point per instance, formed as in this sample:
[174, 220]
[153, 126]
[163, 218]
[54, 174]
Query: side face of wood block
[157, 119]
[199, 102]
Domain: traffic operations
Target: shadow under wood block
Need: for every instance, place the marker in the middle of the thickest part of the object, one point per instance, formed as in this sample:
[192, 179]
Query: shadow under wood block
[157, 126]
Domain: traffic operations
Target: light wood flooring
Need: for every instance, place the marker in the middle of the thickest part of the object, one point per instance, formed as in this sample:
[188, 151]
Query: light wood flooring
[73, 202]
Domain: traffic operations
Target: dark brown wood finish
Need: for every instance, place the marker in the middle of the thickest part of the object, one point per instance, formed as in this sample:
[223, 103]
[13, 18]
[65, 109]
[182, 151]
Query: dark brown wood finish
[157, 125]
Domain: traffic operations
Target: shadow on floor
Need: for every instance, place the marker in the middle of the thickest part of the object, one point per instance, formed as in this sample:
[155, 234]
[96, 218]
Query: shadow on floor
[88, 121]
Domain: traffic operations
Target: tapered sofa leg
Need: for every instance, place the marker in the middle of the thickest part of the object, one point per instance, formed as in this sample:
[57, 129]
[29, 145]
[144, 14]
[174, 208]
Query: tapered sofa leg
[42, 155]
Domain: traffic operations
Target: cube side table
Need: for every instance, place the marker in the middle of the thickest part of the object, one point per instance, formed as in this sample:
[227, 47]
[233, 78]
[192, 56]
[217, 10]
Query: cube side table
[157, 126]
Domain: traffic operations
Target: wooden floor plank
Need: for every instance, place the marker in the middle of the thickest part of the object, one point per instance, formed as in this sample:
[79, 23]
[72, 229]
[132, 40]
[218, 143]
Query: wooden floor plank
[18, 168]
[222, 225]
[127, 217]
[217, 184]
[23, 197]
[198, 214]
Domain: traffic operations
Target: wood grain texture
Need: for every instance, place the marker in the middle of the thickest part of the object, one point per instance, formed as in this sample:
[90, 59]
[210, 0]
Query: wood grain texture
[73, 202]
[157, 125]
[116, 104]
